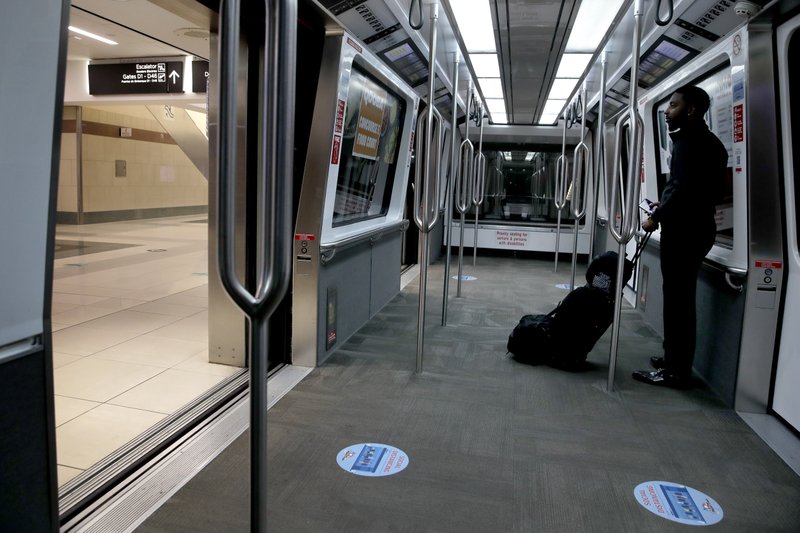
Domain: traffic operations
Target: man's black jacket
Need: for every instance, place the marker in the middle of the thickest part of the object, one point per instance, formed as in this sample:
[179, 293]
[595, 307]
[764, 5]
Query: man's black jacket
[697, 171]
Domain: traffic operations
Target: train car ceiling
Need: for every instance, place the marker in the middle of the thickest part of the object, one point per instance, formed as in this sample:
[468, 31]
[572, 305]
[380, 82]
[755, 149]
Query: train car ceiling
[531, 61]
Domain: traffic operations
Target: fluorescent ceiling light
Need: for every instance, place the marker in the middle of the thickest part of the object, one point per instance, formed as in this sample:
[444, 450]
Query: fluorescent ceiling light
[485, 65]
[573, 65]
[562, 88]
[591, 25]
[496, 106]
[553, 107]
[90, 35]
[474, 21]
[497, 109]
[491, 87]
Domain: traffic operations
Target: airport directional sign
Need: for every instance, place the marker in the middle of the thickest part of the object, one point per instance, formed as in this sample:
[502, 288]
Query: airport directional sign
[139, 77]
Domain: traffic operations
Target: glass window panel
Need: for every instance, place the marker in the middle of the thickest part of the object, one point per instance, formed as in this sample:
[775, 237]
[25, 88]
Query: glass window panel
[720, 121]
[370, 144]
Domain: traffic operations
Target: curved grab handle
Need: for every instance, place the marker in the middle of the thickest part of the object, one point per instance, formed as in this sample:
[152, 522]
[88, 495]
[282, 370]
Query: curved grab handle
[276, 125]
[273, 111]
[426, 209]
[463, 183]
[479, 187]
[739, 273]
[630, 182]
[560, 198]
[582, 159]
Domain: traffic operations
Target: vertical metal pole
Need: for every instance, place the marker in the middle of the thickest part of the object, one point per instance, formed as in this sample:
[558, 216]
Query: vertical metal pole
[561, 186]
[424, 181]
[464, 181]
[274, 155]
[632, 185]
[581, 181]
[478, 188]
[258, 422]
[448, 209]
[600, 159]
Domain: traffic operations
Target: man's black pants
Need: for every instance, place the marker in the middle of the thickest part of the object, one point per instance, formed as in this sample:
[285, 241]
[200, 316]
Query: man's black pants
[681, 258]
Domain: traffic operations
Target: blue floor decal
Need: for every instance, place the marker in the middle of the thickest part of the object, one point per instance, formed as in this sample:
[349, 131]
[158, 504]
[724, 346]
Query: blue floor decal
[372, 460]
[678, 503]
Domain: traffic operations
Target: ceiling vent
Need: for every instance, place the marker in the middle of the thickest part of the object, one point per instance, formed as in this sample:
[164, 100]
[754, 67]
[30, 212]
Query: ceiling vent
[194, 33]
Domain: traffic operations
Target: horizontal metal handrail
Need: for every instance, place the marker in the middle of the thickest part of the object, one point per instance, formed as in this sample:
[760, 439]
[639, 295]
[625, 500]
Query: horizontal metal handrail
[327, 251]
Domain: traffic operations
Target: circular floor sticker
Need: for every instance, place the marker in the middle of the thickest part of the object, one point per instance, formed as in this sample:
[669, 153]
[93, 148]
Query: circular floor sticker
[678, 503]
[372, 460]
[566, 286]
[466, 278]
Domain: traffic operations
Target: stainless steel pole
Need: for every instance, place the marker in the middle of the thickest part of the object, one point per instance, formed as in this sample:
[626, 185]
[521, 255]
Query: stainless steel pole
[448, 209]
[560, 197]
[479, 187]
[632, 185]
[428, 219]
[464, 187]
[274, 224]
[600, 160]
[581, 182]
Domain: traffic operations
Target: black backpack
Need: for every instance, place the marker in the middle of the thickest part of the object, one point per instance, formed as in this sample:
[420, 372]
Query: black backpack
[531, 339]
[563, 337]
[602, 270]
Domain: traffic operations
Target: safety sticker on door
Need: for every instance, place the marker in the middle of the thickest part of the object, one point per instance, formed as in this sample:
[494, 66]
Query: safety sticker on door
[678, 503]
[372, 460]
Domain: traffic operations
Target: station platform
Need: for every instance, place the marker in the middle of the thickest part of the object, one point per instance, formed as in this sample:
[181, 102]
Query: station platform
[492, 445]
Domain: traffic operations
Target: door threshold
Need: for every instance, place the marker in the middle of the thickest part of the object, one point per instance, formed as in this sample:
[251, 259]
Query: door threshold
[158, 480]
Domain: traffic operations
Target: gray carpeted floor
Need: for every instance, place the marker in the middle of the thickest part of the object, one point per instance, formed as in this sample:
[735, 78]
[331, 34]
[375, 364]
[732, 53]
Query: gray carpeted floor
[493, 445]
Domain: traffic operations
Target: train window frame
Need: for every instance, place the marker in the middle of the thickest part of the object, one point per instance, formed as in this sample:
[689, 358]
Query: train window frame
[725, 66]
[345, 158]
[793, 52]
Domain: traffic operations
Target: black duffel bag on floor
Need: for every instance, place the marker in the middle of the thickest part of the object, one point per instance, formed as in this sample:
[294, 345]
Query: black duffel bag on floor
[565, 336]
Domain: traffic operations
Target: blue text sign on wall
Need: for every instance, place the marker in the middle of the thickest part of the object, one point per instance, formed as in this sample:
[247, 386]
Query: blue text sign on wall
[372, 460]
[678, 503]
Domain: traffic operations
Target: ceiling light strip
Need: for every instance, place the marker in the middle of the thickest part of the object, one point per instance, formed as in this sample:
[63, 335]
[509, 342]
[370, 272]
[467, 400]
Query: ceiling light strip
[91, 35]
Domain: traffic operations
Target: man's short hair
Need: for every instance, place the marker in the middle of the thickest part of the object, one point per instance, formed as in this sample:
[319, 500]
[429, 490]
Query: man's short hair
[696, 97]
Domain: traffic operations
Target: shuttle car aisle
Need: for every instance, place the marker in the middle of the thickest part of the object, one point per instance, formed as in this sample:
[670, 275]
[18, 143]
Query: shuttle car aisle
[472, 440]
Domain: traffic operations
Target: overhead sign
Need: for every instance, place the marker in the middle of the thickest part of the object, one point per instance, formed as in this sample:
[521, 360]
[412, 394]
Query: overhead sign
[141, 77]
[678, 503]
[372, 460]
[199, 76]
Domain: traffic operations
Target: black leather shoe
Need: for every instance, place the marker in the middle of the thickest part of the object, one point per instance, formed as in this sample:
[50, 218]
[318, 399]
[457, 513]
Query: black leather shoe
[662, 378]
[657, 362]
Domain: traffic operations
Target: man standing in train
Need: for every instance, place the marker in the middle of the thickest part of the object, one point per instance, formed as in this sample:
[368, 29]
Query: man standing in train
[686, 216]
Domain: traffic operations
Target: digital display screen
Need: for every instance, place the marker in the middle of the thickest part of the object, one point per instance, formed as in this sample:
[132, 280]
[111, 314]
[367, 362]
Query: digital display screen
[370, 144]
[661, 60]
[408, 62]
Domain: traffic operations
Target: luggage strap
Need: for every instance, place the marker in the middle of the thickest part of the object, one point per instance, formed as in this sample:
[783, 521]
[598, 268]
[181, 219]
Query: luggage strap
[640, 247]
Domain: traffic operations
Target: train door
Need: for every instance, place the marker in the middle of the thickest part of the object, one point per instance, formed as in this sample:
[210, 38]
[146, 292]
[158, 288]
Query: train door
[33, 38]
[136, 334]
[786, 398]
